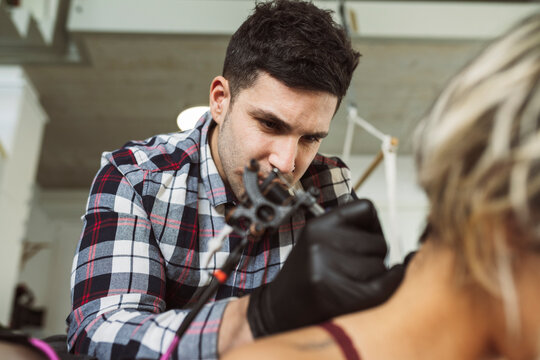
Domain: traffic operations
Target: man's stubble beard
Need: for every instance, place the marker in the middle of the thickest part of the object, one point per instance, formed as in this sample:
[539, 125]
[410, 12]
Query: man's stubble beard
[228, 153]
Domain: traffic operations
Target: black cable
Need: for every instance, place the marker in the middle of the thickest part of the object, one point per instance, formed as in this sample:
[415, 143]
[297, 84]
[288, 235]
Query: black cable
[218, 277]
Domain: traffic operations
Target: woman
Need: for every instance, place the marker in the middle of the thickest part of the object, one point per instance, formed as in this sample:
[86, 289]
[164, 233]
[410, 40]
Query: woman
[472, 290]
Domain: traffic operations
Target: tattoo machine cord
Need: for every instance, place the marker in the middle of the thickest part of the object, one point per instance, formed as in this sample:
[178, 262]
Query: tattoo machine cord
[263, 207]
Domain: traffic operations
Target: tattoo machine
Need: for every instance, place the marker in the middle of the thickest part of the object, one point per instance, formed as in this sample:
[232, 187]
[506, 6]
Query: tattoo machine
[264, 206]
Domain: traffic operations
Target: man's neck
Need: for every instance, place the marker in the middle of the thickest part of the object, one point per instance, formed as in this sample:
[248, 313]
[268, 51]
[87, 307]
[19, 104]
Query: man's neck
[213, 133]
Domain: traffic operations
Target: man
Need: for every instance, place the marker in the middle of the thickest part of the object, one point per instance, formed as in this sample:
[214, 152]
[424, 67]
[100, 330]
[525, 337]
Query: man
[155, 205]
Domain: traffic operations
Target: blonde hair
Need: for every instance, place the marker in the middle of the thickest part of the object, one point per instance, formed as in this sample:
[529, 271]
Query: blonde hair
[478, 159]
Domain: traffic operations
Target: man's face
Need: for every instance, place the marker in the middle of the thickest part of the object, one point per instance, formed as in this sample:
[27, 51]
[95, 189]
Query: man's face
[277, 125]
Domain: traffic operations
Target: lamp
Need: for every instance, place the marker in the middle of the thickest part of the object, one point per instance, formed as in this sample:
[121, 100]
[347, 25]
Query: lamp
[187, 119]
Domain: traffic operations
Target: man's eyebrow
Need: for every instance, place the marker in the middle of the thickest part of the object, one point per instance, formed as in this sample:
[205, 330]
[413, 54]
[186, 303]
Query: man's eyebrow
[267, 115]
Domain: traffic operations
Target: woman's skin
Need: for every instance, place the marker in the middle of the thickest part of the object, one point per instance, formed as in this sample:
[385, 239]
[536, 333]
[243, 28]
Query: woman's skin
[18, 352]
[431, 316]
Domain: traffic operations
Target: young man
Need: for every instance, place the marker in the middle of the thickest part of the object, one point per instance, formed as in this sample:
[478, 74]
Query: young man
[155, 205]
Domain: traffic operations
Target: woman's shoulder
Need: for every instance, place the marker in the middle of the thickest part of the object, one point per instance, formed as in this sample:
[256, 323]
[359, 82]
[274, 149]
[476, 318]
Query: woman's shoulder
[310, 343]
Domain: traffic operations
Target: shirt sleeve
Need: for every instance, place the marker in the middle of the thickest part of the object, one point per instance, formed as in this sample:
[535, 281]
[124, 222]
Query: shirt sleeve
[118, 283]
[333, 179]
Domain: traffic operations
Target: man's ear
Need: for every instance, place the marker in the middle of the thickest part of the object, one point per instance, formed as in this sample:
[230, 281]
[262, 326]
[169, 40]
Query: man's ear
[220, 97]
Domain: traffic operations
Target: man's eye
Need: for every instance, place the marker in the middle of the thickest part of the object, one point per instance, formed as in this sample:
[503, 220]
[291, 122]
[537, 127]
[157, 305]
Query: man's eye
[311, 139]
[268, 124]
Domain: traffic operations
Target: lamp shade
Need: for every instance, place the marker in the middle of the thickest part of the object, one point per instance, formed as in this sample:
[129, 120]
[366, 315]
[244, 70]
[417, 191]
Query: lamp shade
[187, 119]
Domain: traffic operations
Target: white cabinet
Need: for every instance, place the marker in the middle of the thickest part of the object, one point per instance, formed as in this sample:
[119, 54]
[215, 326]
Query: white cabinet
[22, 120]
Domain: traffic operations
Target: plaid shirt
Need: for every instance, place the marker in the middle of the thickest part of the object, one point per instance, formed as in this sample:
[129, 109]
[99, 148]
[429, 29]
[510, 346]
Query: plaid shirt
[152, 210]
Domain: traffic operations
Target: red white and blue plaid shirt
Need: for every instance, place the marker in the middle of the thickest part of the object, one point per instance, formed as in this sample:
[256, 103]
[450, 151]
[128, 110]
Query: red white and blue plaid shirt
[153, 208]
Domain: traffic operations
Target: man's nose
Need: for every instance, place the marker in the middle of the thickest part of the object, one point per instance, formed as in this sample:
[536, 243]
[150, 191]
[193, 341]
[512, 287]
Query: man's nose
[283, 155]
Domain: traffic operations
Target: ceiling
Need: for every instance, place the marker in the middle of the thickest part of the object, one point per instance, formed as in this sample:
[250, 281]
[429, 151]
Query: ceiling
[132, 86]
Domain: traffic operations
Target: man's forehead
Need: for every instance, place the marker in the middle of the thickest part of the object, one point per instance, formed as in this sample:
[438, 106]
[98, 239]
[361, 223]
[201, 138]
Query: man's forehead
[262, 78]
[266, 89]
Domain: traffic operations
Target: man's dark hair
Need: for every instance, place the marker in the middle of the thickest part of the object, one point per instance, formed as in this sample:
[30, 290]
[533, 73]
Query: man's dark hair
[295, 42]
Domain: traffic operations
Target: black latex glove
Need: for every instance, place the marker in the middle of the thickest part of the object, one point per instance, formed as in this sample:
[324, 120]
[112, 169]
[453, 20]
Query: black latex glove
[336, 267]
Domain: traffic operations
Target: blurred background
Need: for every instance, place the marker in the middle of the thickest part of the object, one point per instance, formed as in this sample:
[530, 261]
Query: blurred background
[81, 77]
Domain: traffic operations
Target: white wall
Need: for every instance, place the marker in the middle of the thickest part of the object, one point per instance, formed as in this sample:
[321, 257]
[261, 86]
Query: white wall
[411, 203]
[56, 221]
[394, 19]
[21, 127]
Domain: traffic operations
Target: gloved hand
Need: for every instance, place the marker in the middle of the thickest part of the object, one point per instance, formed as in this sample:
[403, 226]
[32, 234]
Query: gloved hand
[336, 267]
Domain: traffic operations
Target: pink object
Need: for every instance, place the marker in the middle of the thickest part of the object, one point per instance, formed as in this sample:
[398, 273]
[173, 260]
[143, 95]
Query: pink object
[171, 348]
[44, 348]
